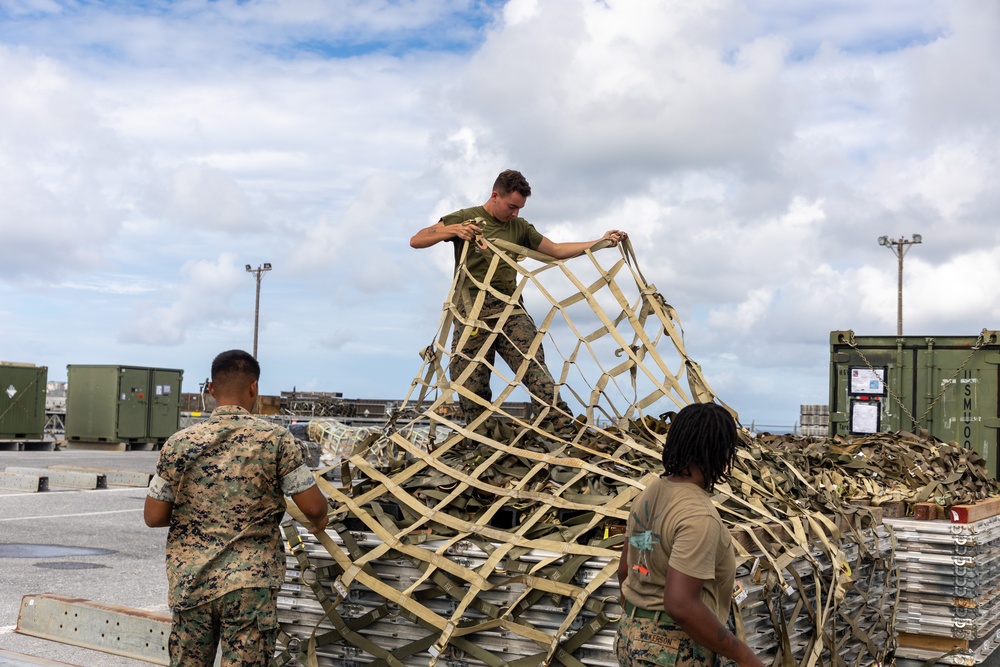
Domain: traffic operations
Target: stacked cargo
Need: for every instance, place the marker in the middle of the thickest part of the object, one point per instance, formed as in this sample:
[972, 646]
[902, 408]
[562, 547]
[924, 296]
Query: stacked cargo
[367, 621]
[780, 618]
[805, 588]
[302, 598]
[776, 616]
[950, 582]
[814, 420]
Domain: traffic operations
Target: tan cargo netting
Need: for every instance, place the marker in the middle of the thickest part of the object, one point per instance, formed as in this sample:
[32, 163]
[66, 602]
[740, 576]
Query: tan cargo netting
[496, 542]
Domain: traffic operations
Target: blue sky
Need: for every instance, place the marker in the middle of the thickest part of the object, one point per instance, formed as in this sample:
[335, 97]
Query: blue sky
[755, 151]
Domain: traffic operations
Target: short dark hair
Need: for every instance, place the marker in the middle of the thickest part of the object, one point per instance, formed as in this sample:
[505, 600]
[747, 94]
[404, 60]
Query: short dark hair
[511, 181]
[702, 435]
[234, 369]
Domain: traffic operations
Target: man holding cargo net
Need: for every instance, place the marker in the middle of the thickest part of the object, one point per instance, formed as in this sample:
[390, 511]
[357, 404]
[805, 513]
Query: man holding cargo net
[479, 275]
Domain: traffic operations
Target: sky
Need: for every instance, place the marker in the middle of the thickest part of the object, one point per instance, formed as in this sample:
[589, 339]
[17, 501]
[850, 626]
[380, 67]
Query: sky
[754, 150]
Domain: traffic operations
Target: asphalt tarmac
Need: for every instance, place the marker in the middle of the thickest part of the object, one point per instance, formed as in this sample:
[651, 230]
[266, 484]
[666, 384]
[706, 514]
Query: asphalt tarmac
[86, 544]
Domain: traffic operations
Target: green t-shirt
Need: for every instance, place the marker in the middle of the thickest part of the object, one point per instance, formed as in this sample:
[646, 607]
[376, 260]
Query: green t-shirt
[517, 230]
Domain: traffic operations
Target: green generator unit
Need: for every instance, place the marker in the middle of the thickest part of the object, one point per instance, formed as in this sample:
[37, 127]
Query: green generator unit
[948, 385]
[22, 401]
[128, 404]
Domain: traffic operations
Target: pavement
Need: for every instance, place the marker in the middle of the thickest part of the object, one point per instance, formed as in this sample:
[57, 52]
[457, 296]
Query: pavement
[43, 534]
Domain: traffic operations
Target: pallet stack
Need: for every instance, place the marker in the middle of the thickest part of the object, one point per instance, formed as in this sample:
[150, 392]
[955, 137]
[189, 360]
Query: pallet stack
[814, 420]
[777, 609]
[949, 572]
[389, 627]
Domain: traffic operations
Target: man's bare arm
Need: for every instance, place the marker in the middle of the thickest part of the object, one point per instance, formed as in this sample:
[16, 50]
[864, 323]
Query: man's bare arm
[682, 602]
[436, 233]
[572, 249]
[313, 504]
[156, 513]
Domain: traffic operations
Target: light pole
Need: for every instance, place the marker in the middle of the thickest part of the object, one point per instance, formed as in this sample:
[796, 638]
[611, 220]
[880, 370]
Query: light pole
[258, 273]
[899, 247]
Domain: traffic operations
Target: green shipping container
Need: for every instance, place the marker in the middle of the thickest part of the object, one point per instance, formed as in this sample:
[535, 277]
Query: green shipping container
[121, 403]
[22, 401]
[949, 385]
[164, 403]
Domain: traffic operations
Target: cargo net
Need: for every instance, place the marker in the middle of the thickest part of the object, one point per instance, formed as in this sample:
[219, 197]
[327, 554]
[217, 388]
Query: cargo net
[494, 540]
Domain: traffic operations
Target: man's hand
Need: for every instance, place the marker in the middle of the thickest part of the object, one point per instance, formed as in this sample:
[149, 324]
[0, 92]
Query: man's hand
[319, 524]
[615, 236]
[467, 231]
[428, 236]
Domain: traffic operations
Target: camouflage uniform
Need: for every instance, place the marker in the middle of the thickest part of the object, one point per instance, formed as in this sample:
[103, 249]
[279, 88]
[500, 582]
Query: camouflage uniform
[658, 641]
[518, 331]
[517, 334]
[226, 478]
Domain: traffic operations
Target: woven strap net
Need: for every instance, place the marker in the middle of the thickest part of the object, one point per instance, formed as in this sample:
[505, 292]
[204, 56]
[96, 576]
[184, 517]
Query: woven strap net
[495, 541]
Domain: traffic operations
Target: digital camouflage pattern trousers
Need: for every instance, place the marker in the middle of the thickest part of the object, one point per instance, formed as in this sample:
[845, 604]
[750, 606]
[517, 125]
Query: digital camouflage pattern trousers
[244, 621]
[658, 641]
[512, 343]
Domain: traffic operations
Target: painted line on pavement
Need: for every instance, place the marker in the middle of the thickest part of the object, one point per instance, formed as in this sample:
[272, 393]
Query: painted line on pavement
[66, 516]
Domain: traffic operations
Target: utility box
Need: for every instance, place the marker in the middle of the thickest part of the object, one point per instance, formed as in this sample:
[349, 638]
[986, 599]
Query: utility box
[949, 385]
[22, 401]
[130, 404]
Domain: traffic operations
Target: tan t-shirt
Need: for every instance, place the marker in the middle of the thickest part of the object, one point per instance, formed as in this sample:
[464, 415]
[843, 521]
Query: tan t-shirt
[675, 524]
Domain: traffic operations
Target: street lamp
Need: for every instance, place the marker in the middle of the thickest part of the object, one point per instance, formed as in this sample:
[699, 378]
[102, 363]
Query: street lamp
[899, 247]
[258, 273]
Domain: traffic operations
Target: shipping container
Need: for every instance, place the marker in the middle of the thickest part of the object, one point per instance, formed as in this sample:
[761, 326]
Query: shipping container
[164, 404]
[22, 401]
[947, 385]
[131, 404]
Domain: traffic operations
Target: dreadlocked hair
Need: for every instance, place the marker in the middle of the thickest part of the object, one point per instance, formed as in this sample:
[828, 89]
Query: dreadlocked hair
[701, 435]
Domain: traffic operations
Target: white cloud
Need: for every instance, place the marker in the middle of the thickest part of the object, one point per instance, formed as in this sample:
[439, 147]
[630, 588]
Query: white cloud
[743, 316]
[653, 86]
[959, 292]
[754, 151]
[953, 80]
[201, 301]
[61, 170]
[947, 180]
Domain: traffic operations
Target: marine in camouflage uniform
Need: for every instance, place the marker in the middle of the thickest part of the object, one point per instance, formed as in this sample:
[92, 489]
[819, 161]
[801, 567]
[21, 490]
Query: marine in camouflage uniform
[498, 219]
[221, 484]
